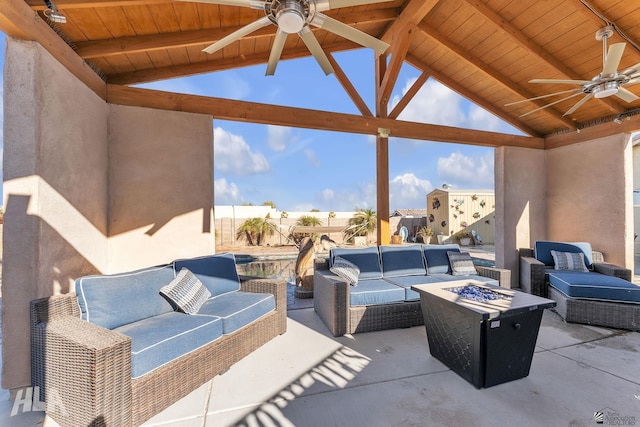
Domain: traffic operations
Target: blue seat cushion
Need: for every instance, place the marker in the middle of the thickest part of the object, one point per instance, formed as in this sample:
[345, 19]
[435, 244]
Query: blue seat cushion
[158, 340]
[376, 291]
[367, 259]
[450, 278]
[543, 250]
[437, 259]
[407, 281]
[577, 284]
[402, 260]
[117, 299]
[217, 272]
[238, 309]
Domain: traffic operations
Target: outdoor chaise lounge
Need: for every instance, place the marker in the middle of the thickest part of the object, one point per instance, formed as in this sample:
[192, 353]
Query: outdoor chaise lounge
[382, 298]
[585, 288]
[116, 352]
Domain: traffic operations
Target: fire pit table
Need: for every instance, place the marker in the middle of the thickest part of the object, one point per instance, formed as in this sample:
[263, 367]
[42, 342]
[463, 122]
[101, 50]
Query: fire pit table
[486, 334]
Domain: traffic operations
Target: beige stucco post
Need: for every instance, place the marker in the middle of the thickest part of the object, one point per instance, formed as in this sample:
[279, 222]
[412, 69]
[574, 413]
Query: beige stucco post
[90, 188]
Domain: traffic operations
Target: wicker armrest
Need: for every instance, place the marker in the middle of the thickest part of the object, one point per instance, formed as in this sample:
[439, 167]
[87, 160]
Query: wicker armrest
[612, 270]
[331, 300]
[527, 252]
[502, 275]
[269, 286]
[86, 372]
[533, 277]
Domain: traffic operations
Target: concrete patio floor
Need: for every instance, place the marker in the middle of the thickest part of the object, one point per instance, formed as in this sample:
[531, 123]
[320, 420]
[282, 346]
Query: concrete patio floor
[308, 378]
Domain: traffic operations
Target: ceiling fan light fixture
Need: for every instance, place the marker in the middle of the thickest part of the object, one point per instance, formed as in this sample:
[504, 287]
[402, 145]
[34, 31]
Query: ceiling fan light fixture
[605, 89]
[290, 17]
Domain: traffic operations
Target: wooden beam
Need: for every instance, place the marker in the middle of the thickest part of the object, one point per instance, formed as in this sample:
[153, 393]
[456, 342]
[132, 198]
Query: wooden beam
[150, 42]
[348, 87]
[399, 51]
[153, 74]
[455, 86]
[383, 236]
[18, 20]
[492, 73]
[84, 4]
[413, 90]
[412, 13]
[628, 125]
[509, 30]
[251, 112]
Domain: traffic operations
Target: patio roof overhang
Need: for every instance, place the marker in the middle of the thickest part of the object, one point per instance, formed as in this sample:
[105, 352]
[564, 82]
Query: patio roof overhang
[485, 51]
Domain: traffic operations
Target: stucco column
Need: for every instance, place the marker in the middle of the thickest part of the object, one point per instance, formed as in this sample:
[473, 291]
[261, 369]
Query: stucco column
[520, 182]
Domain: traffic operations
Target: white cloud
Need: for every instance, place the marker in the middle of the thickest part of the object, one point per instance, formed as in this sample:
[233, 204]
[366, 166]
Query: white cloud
[233, 155]
[312, 157]
[278, 137]
[464, 171]
[235, 87]
[407, 191]
[226, 193]
[434, 103]
[327, 195]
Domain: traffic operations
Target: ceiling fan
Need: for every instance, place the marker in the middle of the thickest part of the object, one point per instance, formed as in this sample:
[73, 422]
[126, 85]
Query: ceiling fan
[608, 82]
[296, 16]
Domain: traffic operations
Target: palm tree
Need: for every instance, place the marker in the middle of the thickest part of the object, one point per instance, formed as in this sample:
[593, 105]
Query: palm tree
[254, 230]
[306, 221]
[363, 222]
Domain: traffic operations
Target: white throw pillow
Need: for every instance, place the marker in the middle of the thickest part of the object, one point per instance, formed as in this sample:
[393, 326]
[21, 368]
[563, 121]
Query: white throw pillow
[186, 292]
[569, 261]
[345, 269]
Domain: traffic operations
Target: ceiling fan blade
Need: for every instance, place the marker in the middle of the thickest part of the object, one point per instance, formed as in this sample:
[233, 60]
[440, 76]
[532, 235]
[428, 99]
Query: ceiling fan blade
[322, 5]
[561, 81]
[247, 29]
[626, 95]
[541, 97]
[578, 104]
[613, 59]
[255, 4]
[550, 104]
[276, 51]
[634, 81]
[316, 50]
[327, 23]
[632, 71]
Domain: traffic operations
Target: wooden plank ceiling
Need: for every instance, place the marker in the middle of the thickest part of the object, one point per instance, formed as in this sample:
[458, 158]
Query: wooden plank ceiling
[486, 50]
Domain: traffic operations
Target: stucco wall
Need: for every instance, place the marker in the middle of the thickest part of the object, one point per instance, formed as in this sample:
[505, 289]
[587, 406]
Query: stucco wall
[590, 196]
[520, 204]
[160, 186]
[55, 199]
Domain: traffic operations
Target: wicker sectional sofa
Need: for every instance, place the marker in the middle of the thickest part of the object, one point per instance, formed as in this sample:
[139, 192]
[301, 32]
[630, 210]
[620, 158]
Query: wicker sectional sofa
[116, 352]
[602, 296]
[383, 298]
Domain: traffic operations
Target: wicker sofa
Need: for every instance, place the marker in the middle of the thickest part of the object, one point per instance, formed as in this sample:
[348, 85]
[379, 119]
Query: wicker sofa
[116, 352]
[603, 296]
[383, 298]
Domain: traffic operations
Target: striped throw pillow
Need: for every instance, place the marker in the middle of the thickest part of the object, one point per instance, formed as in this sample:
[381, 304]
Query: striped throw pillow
[186, 292]
[568, 261]
[345, 269]
[461, 263]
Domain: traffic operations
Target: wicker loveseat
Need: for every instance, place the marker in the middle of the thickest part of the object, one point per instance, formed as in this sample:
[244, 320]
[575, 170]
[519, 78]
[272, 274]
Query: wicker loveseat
[603, 295]
[382, 297]
[116, 352]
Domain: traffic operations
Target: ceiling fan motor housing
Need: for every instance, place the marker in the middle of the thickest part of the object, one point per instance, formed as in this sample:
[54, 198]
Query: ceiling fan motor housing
[289, 15]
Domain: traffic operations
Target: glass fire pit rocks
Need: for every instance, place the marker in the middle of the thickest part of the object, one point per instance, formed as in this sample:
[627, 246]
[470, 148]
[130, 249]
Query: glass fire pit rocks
[476, 293]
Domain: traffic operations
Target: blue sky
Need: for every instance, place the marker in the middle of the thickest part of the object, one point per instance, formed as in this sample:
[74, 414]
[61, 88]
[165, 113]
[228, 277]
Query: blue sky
[301, 169]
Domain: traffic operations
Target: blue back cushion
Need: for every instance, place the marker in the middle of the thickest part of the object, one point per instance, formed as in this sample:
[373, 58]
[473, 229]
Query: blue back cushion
[367, 260]
[118, 299]
[402, 260]
[437, 259]
[543, 251]
[217, 272]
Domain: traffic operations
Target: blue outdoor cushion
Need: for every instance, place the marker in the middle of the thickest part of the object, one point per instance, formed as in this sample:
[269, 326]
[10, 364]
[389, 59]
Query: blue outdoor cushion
[543, 251]
[158, 340]
[117, 299]
[437, 259]
[402, 260]
[238, 309]
[217, 272]
[407, 281]
[579, 284]
[367, 260]
[376, 291]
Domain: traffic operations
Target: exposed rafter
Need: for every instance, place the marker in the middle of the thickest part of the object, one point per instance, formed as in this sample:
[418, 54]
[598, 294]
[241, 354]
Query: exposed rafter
[413, 90]
[348, 87]
[489, 71]
[509, 30]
